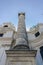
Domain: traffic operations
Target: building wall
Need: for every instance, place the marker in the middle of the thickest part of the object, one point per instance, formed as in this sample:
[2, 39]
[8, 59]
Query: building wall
[39, 58]
[9, 34]
[2, 56]
[36, 42]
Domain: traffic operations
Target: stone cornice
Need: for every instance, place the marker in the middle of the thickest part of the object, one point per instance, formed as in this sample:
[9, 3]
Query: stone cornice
[22, 53]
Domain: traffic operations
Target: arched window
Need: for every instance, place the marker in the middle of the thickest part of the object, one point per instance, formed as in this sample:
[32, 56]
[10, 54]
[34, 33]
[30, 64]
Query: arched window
[1, 34]
[5, 25]
[37, 34]
[41, 51]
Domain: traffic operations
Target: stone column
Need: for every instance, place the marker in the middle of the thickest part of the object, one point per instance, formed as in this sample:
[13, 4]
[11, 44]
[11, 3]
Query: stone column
[21, 32]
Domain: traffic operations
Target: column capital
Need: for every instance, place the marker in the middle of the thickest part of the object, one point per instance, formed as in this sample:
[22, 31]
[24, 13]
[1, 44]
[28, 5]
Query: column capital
[21, 14]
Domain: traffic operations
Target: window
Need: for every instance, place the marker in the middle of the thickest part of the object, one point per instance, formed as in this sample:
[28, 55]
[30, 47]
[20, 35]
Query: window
[5, 25]
[41, 51]
[1, 35]
[37, 34]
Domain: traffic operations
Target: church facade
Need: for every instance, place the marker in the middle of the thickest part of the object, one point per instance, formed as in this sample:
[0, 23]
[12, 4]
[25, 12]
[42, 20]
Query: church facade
[21, 46]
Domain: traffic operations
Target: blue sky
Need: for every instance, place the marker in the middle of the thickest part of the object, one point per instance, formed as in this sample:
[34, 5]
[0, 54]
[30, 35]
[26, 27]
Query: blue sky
[9, 10]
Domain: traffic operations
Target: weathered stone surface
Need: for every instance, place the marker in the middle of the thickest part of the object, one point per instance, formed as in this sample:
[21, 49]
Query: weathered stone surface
[21, 32]
[21, 54]
[20, 57]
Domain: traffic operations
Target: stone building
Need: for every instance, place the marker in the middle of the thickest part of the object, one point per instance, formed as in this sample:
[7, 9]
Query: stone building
[21, 46]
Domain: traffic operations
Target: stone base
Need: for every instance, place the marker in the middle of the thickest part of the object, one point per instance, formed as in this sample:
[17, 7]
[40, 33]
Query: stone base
[23, 57]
